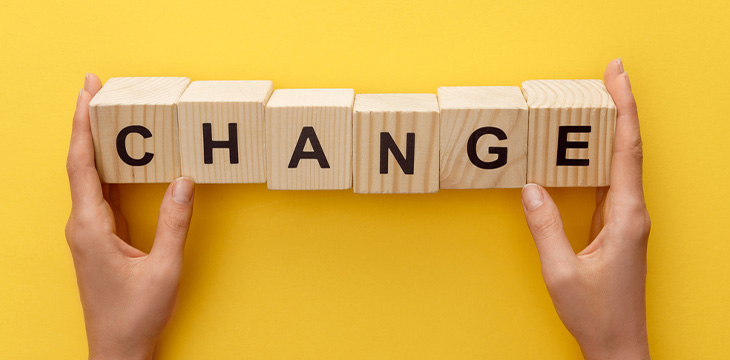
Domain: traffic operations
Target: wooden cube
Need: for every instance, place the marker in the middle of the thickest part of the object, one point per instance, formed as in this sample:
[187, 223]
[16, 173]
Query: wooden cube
[483, 137]
[396, 143]
[309, 139]
[135, 129]
[571, 129]
[222, 131]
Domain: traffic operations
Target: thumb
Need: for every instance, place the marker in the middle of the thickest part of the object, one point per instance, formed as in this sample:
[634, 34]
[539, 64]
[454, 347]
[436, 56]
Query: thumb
[174, 220]
[546, 226]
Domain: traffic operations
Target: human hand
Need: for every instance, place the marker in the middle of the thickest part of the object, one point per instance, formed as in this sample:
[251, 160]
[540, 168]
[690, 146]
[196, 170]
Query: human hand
[599, 293]
[127, 295]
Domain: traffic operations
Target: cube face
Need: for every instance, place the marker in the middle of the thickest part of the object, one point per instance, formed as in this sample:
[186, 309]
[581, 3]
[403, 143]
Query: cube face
[571, 131]
[309, 139]
[135, 129]
[396, 143]
[222, 131]
[483, 137]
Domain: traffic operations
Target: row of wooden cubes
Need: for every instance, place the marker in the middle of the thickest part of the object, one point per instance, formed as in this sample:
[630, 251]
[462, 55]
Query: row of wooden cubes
[550, 132]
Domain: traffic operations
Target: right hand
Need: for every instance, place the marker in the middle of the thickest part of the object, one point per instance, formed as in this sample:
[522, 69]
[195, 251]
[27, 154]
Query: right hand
[127, 295]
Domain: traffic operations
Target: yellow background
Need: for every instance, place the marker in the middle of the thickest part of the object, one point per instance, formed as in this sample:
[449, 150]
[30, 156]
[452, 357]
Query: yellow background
[331, 275]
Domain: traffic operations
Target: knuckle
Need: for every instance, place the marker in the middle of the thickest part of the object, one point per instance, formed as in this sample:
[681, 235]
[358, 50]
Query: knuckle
[637, 153]
[639, 150]
[646, 224]
[635, 222]
[71, 168]
[632, 107]
[86, 217]
[83, 224]
[74, 239]
[546, 226]
[176, 222]
[68, 231]
[560, 276]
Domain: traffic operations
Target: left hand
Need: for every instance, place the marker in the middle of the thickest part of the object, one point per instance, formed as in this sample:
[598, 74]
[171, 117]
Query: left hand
[600, 293]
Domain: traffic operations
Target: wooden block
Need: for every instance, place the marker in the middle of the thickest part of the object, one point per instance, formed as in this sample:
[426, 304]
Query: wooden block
[571, 128]
[309, 139]
[222, 131]
[483, 137]
[135, 129]
[396, 143]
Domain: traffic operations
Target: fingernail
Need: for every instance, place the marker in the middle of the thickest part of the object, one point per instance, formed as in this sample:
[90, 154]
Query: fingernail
[182, 191]
[81, 91]
[86, 81]
[531, 197]
[620, 64]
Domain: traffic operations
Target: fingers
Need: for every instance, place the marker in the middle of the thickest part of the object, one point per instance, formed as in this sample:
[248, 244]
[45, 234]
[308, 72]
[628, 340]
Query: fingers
[627, 157]
[614, 68]
[92, 84]
[82, 176]
[546, 226]
[174, 221]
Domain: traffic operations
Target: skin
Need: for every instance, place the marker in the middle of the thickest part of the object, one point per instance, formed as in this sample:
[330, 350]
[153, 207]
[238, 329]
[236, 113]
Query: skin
[599, 293]
[128, 296]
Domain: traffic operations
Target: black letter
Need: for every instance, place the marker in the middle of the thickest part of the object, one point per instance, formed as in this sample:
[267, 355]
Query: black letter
[231, 144]
[501, 152]
[122, 149]
[316, 153]
[387, 143]
[564, 144]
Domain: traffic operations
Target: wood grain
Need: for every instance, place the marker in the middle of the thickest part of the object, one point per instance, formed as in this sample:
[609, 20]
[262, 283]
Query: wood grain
[147, 101]
[329, 113]
[220, 103]
[556, 103]
[396, 114]
[464, 110]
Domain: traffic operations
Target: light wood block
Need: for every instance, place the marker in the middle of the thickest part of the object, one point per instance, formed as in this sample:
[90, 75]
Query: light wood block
[135, 129]
[483, 137]
[571, 129]
[222, 131]
[309, 139]
[396, 143]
